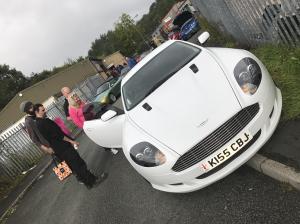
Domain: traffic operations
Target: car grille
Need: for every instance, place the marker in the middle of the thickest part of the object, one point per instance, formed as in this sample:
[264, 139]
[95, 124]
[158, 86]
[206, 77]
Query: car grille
[217, 139]
[241, 151]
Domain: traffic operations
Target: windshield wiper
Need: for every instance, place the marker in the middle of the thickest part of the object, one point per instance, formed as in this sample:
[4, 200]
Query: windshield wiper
[159, 83]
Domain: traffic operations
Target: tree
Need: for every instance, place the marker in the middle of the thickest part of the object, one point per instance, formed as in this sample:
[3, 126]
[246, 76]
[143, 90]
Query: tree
[129, 37]
[11, 82]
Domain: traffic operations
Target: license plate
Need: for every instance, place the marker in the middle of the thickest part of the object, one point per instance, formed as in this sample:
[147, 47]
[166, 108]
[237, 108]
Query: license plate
[226, 152]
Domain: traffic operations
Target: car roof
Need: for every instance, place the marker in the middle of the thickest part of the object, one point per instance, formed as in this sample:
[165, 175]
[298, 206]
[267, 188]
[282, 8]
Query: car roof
[181, 18]
[188, 21]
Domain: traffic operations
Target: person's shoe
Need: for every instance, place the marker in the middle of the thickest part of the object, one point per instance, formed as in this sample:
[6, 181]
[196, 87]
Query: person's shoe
[78, 179]
[114, 151]
[80, 182]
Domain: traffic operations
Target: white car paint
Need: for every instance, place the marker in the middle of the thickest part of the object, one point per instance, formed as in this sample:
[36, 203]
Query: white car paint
[97, 130]
[182, 112]
[178, 121]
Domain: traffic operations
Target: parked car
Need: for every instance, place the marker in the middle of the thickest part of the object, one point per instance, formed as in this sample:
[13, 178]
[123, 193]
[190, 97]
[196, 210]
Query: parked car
[189, 28]
[174, 34]
[192, 116]
[181, 18]
[186, 24]
[109, 91]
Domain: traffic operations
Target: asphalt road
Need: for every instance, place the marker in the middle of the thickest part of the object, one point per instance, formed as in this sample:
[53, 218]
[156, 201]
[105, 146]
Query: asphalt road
[246, 196]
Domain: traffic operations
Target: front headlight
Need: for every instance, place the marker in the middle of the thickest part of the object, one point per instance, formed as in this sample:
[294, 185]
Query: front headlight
[248, 75]
[147, 155]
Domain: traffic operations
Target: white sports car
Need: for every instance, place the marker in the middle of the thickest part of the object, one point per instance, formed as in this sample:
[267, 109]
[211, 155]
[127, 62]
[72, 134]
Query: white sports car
[192, 116]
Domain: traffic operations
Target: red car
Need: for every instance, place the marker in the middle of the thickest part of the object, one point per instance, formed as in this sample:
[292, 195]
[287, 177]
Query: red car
[174, 35]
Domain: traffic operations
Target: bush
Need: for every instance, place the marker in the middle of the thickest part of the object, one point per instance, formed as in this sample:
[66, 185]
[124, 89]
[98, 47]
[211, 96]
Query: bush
[283, 63]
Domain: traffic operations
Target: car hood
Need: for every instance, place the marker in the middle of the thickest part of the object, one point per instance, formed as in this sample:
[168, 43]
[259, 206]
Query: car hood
[188, 106]
[188, 26]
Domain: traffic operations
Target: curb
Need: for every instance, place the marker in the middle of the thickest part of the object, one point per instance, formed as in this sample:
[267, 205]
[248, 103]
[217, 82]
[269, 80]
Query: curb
[24, 191]
[275, 170]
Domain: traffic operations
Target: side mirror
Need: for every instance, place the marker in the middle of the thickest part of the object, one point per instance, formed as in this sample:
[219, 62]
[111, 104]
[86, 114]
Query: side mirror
[203, 37]
[108, 115]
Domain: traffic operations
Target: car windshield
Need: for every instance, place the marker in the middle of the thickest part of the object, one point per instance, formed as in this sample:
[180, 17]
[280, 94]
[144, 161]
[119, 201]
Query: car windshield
[158, 70]
[103, 88]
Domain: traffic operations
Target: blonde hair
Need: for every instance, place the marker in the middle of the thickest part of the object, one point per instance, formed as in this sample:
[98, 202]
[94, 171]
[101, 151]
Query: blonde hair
[74, 100]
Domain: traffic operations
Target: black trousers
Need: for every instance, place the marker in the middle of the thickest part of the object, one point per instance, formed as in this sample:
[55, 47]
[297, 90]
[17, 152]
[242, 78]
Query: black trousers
[78, 166]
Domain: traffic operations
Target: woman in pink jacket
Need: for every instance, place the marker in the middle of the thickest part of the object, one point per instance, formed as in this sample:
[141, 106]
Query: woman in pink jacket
[76, 109]
[76, 113]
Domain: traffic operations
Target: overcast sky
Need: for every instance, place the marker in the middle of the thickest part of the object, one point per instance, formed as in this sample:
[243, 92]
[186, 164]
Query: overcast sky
[38, 34]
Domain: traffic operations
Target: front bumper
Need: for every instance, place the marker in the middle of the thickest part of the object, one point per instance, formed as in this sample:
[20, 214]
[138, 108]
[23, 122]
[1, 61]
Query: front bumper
[262, 126]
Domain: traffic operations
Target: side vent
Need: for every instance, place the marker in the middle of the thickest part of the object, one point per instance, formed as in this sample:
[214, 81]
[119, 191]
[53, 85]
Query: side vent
[147, 107]
[194, 68]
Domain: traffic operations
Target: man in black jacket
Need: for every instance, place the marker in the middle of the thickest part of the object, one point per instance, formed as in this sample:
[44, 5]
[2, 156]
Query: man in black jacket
[32, 130]
[63, 148]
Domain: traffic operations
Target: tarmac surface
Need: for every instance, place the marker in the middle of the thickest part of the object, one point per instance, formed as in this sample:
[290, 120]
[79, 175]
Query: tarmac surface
[246, 196]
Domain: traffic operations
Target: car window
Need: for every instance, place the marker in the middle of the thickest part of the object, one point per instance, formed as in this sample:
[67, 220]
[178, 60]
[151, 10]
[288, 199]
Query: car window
[157, 71]
[103, 88]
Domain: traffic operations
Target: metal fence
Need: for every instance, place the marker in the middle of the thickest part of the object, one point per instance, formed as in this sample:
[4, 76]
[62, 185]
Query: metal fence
[18, 153]
[253, 22]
